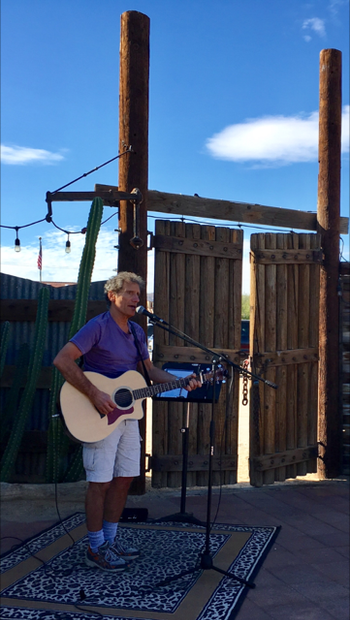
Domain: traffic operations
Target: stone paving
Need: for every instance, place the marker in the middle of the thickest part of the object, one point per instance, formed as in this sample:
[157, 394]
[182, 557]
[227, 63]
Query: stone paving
[305, 575]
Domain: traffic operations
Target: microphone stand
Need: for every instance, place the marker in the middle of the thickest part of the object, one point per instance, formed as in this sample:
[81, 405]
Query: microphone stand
[206, 559]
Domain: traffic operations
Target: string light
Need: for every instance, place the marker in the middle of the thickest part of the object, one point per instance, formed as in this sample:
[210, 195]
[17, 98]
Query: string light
[48, 217]
[17, 241]
[68, 248]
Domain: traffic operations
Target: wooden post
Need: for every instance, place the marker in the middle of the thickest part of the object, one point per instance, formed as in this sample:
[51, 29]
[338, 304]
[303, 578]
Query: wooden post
[133, 167]
[133, 131]
[328, 218]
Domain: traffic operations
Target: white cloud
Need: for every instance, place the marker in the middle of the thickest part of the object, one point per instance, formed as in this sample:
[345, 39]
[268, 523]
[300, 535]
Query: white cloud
[273, 140]
[57, 265]
[22, 155]
[335, 7]
[316, 24]
[61, 267]
[345, 129]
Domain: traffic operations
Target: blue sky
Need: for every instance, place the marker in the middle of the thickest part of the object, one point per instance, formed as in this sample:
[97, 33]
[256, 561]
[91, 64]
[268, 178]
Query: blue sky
[234, 88]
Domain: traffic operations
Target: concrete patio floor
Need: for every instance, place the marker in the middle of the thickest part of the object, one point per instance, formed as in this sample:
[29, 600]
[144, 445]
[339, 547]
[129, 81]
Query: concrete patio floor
[305, 575]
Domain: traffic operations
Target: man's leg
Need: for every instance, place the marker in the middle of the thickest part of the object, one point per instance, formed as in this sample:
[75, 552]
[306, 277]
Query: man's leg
[126, 467]
[115, 501]
[94, 505]
[98, 554]
[115, 498]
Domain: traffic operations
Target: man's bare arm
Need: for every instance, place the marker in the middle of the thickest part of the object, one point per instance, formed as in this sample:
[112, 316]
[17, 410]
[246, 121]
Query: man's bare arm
[65, 363]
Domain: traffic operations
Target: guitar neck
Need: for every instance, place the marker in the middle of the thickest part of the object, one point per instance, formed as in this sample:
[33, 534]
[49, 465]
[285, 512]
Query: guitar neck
[159, 388]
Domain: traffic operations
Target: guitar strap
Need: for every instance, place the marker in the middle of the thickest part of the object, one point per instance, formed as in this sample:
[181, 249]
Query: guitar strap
[139, 352]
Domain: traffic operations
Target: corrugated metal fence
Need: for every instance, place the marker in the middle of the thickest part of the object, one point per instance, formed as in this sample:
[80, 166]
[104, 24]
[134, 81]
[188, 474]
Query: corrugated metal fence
[30, 465]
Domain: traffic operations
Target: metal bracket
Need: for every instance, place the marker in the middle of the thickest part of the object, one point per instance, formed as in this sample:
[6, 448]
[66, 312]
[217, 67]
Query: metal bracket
[136, 240]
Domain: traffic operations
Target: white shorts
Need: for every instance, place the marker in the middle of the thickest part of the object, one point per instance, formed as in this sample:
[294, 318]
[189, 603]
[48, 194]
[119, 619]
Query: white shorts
[118, 455]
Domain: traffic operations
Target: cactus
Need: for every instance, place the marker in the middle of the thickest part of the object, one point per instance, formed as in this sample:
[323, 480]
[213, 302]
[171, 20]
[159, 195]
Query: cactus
[76, 469]
[57, 440]
[5, 337]
[11, 451]
[10, 406]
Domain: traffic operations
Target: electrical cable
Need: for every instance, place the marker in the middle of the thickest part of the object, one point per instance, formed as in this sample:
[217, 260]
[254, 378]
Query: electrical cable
[86, 174]
[23, 225]
[181, 218]
[51, 573]
[17, 228]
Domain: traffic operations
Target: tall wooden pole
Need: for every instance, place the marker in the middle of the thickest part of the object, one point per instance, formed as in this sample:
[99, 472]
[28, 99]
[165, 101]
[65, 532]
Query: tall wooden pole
[133, 167]
[328, 217]
[133, 130]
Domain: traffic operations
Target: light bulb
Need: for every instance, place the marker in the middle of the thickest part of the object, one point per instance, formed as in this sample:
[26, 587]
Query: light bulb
[68, 247]
[17, 245]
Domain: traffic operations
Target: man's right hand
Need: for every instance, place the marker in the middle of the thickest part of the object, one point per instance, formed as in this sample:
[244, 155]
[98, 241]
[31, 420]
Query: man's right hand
[102, 401]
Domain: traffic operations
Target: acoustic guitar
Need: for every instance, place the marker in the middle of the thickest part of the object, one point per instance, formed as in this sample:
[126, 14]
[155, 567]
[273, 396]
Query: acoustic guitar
[85, 423]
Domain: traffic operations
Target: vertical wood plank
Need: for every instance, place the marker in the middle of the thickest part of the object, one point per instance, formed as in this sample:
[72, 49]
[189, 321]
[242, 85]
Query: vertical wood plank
[177, 318]
[161, 308]
[270, 345]
[206, 337]
[257, 345]
[234, 342]
[315, 242]
[292, 343]
[281, 371]
[222, 275]
[303, 340]
[191, 323]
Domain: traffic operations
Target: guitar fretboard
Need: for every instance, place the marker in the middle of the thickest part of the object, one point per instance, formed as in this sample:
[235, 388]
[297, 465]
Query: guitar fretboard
[159, 388]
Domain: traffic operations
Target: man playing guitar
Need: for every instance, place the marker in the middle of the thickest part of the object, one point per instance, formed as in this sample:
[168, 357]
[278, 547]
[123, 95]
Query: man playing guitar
[108, 346]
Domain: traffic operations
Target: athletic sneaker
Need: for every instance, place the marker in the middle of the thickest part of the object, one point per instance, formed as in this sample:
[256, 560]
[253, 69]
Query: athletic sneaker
[122, 551]
[104, 559]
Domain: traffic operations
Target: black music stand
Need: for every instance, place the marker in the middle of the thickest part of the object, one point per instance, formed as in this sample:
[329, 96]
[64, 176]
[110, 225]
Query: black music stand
[200, 395]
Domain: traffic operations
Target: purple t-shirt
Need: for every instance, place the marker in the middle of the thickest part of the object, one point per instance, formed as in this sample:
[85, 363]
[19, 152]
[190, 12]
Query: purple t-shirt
[107, 349]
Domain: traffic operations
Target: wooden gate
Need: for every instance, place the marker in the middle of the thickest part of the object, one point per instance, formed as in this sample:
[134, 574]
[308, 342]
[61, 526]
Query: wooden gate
[284, 350]
[198, 280]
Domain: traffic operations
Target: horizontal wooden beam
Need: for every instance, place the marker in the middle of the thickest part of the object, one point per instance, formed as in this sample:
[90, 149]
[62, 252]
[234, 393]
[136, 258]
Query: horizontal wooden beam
[209, 208]
[43, 382]
[110, 196]
[59, 309]
[34, 442]
[283, 358]
[281, 459]
[195, 463]
[165, 353]
[206, 208]
[283, 257]
[196, 247]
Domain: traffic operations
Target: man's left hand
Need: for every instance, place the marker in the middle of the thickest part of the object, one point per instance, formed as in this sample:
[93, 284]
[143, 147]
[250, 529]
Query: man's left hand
[193, 384]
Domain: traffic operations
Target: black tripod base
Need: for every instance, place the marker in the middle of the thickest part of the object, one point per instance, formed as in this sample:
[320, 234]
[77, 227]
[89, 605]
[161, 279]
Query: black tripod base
[179, 517]
[206, 563]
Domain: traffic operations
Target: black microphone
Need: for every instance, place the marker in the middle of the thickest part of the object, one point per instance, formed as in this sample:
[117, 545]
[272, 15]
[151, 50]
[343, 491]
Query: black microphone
[151, 315]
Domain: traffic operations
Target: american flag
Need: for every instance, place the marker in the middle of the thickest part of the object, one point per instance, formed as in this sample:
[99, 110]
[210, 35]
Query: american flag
[40, 256]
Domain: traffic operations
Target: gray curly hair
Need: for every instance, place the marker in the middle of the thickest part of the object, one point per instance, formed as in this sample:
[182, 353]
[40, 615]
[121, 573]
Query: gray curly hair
[116, 283]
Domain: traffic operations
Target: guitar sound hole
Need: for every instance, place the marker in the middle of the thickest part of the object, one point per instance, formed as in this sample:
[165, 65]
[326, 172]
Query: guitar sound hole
[123, 398]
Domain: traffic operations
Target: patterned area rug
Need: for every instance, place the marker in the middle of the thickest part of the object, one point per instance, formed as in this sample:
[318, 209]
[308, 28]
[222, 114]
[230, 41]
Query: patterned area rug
[47, 579]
